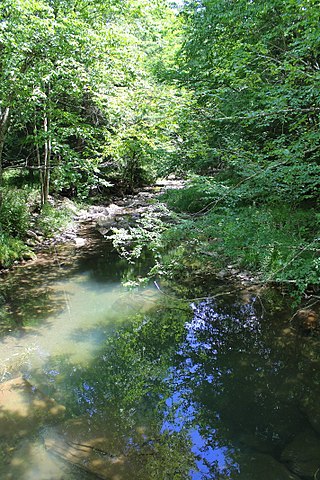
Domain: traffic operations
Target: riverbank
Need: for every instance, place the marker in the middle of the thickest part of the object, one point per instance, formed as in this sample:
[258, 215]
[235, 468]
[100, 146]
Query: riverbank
[29, 231]
[187, 259]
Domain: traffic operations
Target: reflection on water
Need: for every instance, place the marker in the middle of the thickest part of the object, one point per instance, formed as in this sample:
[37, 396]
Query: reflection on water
[244, 386]
[150, 389]
[58, 313]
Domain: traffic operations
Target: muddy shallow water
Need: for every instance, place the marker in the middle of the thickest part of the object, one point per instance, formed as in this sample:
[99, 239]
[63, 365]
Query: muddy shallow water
[101, 382]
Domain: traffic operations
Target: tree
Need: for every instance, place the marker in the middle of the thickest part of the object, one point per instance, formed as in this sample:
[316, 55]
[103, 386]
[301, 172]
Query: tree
[40, 54]
[83, 90]
[253, 68]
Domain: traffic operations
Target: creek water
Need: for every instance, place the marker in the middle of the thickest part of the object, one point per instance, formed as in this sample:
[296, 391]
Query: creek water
[98, 381]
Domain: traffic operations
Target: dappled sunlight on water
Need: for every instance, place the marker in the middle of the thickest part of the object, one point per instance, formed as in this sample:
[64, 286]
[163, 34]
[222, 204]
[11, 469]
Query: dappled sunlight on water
[88, 311]
[61, 318]
[102, 382]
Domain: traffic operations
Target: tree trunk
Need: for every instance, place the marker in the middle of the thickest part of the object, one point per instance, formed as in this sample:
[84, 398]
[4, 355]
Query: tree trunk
[35, 131]
[46, 162]
[4, 126]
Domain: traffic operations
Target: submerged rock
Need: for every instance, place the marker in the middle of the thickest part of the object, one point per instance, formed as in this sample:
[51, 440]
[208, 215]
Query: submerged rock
[93, 448]
[302, 455]
[259, 466]
[305, 320]
[24, 408]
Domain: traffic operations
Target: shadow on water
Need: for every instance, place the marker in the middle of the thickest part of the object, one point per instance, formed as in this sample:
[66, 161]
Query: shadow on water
[27, 295]
[151, 389]
[217, 393]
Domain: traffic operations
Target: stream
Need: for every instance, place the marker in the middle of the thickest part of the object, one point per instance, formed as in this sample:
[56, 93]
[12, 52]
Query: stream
[98, 381]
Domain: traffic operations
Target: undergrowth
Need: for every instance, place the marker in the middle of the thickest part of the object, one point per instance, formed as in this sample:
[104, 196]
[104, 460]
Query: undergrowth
[52, 219]
[221, 227]
[14, 223]
[19, 213]
[12, 249]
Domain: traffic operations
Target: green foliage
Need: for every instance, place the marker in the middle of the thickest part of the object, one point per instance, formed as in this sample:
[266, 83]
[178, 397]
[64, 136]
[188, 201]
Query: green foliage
[14, 212]
[146, 234]
[12, 249]
[252, 71]
[278, 242]
[199, 194]
[78, 83]
[52, 219]
[79, 177]
[273, 241]
[143, 115]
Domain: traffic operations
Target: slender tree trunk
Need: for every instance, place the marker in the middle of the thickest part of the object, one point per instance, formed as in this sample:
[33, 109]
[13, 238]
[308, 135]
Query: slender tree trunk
[46, 161]
[47, 149]
[4, 125]
[38, 155]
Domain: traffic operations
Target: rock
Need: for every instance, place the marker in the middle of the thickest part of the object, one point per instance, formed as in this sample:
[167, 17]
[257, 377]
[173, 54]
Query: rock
[69, 235]
[310, 406]
[222, 274]
[31, 243]
[92, 448]
[28, 255]
[104, 221]
[103, 231]
[32, 234]
[234, 271]
[305, 320]
[114, 209]
[24, 408]
[302, 455]
[80, 242]
[259, 466]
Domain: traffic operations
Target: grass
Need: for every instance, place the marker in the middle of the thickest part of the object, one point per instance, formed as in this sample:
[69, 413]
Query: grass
[278, 242]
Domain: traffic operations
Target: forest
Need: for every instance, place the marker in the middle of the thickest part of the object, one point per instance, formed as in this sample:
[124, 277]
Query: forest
[159, 239]
[99, 98]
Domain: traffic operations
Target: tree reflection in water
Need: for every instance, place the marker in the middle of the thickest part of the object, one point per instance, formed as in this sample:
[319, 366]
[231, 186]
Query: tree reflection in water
[213, 393]
[238, 383]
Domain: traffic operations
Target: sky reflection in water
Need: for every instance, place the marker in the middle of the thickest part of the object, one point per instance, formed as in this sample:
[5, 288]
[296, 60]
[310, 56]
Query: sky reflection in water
[227, 379]
[181, 409]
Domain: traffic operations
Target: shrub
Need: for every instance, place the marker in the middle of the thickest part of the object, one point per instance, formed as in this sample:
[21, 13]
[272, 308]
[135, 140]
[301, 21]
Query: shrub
[200, 194]
[52, 219]
[12, 249]
[14, 212]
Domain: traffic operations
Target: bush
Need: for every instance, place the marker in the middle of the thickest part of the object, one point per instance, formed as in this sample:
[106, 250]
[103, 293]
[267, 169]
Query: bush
[279, 243]
[12, 249]
[200, 194]
[52, 219]
[14, 212]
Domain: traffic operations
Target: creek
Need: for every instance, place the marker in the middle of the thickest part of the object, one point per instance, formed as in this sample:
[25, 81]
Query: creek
[98, 381]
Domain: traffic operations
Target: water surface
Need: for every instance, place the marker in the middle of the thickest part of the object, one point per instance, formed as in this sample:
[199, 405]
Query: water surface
[130, 384]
